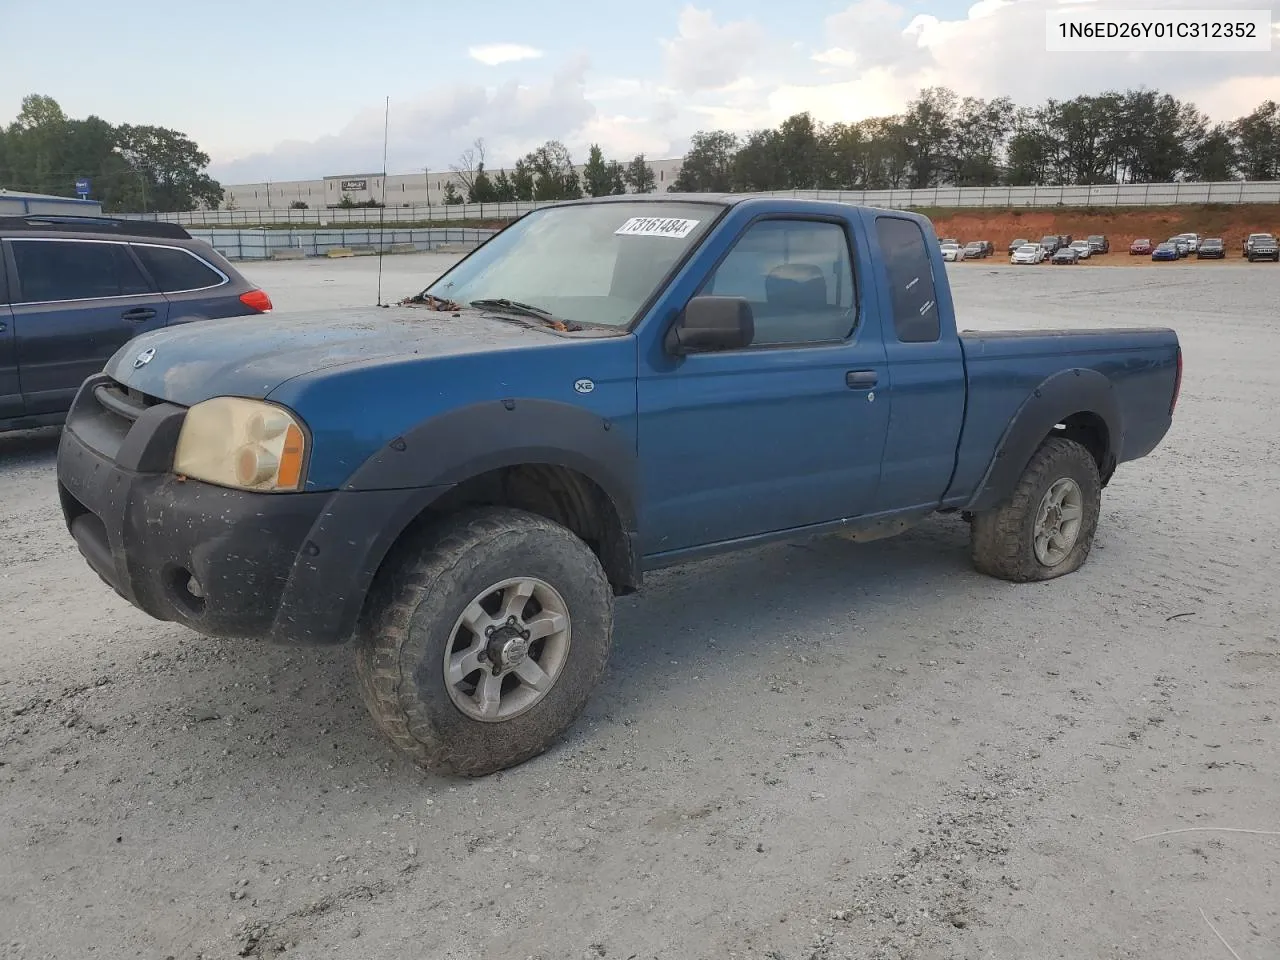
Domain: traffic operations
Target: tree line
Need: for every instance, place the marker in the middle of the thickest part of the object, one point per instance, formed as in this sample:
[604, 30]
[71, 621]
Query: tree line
[941, 139]
[129, 167]
[547, 173]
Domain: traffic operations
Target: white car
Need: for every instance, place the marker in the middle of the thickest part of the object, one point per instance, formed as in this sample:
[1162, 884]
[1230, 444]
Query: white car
[952, 252]
[1028, 253]
[1193, 241]
[1086, 250]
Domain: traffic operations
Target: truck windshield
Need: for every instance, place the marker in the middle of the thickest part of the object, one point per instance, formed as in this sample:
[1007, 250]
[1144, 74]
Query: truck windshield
[595, 264]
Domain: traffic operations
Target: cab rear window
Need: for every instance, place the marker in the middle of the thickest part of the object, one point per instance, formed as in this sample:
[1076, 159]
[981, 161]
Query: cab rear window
[906, 260]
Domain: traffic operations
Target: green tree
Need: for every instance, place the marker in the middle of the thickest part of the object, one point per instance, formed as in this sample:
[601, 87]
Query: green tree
[522, 180]
[980, 131]
[638, 175]
[617, 178]
[554, 178]
[756, 165]
[797, 148]
[451, 194]
[171, 165]
[131, 167]
[928, 126]
[595, 173]
[1257, 140]
[708, 164]
[1214, 159]
[1029, 154]
[503, 189]
[481, 189]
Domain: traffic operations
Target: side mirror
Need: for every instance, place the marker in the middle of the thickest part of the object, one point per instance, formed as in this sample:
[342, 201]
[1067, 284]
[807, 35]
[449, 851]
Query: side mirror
[712, 323]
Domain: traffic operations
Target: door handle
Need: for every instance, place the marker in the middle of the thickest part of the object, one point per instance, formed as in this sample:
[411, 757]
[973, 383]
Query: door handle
[138, 314]
[861, 379]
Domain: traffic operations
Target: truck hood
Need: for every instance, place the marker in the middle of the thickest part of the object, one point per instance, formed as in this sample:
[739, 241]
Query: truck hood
[252, 356]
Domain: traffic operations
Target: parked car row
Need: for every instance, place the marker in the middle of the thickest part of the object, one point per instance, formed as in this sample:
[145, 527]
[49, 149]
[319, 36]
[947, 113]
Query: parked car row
[1058, 248]
[1257, 246]
[1064, 249]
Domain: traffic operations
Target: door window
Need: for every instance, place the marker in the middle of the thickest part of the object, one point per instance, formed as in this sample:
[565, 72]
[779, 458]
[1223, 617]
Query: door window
[56, 270]
[798, 277]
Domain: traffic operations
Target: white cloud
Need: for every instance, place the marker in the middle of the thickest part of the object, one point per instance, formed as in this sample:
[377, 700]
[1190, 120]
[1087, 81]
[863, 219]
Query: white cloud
[432, 130]
[492, 54]
[705, 55]
[872, 57]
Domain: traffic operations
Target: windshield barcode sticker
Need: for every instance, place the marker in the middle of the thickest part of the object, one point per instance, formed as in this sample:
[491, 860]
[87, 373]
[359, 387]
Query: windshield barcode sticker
[672, 227]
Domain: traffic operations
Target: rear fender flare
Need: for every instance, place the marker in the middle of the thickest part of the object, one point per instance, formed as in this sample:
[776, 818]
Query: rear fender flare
[1068, 392]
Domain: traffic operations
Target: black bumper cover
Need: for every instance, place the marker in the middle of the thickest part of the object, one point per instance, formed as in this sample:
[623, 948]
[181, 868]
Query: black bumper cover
[292, 568]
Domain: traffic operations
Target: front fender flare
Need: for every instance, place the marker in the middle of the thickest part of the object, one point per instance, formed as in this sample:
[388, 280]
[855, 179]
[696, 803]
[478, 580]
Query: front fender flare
[475, 439]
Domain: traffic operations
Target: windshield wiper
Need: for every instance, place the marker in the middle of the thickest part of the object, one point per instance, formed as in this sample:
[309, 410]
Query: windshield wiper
[526, 310]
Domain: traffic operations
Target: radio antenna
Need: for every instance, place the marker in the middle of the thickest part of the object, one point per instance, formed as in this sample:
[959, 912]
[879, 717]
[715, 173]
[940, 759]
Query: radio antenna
[382, 210]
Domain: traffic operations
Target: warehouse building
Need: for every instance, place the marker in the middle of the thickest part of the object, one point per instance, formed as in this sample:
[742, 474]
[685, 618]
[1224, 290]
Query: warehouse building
[14, 203]
[398, 190]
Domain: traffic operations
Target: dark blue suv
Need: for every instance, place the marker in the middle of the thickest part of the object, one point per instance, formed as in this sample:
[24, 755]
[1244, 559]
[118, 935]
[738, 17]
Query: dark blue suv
[73, 290]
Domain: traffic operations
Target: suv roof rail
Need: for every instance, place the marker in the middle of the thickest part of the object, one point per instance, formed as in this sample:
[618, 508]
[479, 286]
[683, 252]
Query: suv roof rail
[81, 224]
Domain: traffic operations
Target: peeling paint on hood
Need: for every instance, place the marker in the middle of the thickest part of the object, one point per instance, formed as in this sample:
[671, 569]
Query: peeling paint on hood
[251, 356]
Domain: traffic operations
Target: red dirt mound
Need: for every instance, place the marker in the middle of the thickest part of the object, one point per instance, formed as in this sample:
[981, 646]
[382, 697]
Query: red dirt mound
[1121, 225]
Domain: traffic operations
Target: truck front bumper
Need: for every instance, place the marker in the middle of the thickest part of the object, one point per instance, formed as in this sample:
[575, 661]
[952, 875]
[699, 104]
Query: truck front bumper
[289, 567]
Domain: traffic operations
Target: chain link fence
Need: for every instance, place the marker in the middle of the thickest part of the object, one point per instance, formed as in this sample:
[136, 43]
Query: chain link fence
[263, 244]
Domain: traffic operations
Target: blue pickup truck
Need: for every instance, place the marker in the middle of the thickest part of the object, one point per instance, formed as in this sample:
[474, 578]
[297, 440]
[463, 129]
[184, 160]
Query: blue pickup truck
[462, 483]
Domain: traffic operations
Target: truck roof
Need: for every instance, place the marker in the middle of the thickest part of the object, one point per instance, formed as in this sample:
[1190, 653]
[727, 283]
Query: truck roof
[733, 200]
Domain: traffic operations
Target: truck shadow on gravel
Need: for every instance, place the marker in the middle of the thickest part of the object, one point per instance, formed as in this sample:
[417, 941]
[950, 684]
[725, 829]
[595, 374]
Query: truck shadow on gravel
[241, 713]
[751, 601]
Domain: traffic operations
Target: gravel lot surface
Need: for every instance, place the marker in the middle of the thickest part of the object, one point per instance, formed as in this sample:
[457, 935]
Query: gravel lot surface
[882, 755]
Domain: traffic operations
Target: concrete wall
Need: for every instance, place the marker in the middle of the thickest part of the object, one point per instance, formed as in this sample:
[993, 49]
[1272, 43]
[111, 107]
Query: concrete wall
[1108, 195]
[22, 204]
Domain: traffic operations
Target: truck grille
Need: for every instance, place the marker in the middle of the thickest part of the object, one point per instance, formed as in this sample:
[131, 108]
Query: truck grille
[105, 411]
[122, 401]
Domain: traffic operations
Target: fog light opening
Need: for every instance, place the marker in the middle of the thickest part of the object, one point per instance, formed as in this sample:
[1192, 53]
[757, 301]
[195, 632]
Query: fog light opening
[186, 591]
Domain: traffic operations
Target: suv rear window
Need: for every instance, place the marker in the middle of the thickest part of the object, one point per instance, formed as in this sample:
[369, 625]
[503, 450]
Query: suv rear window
[906, 259]
[176, 270]
[54, 270]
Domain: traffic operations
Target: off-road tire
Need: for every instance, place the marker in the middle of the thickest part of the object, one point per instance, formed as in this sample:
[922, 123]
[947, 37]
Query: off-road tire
[418, 599]
[1003, 539]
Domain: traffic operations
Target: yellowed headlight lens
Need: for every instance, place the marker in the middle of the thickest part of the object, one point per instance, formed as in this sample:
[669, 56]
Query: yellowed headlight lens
[241, 443]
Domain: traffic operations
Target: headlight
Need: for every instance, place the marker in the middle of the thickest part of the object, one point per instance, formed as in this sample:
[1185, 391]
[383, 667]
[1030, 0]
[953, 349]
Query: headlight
[240, 443]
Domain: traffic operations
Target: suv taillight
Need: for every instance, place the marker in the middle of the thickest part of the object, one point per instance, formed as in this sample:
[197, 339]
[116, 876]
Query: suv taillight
[256, 300]
[1177, 383]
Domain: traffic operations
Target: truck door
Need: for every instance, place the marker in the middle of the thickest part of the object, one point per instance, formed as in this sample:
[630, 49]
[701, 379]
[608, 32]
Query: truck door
[787, 432]
[926, 369]
[75, 303]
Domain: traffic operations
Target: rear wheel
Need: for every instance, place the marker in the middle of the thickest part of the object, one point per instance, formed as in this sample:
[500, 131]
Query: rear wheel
[485, 641]
[1046, 528]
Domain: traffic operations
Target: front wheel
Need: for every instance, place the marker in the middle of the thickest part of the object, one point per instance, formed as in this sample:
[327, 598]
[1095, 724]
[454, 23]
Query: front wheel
[485, 641]
[1045, 529]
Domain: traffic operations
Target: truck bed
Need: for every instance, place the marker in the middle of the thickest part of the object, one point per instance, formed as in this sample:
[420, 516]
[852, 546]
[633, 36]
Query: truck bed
[1134, 372]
